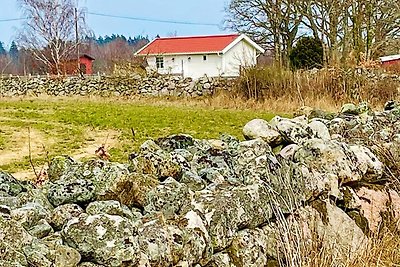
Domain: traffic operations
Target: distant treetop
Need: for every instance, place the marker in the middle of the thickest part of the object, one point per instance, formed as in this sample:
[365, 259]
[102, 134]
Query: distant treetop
[114, 37]
[2, 49]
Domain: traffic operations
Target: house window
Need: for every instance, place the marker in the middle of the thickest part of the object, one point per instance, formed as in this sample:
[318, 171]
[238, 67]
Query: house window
[160, 62]
[204, 58]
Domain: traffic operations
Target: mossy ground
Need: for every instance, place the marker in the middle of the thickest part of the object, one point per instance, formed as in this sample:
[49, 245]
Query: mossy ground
[55, 126]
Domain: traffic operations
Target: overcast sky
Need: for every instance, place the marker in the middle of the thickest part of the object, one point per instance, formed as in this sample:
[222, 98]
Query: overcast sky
[198, 11]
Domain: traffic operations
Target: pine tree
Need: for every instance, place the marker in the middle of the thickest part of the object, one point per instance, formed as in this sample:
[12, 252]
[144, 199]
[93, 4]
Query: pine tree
[14, 51]
[2, 50]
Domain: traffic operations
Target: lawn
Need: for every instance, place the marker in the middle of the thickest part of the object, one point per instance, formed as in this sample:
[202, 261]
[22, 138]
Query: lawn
[44, 128]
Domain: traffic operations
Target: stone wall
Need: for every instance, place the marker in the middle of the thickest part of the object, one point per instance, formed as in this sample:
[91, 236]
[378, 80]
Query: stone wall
[321, 183]
[110, 86]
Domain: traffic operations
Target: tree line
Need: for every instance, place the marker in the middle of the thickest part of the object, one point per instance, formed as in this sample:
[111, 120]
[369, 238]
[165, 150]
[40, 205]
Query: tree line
[107, 50]
[349, 30]
[55, 32]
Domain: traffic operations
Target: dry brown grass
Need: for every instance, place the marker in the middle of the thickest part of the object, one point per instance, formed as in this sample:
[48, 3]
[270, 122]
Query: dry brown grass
[326, 89]
[382, 250]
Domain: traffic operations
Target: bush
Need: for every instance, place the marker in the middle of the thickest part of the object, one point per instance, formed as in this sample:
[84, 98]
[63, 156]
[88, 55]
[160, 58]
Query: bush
[307, 54]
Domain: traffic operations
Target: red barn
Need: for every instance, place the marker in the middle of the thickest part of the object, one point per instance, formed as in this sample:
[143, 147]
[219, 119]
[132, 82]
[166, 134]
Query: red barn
[85, 62]
[390, 60]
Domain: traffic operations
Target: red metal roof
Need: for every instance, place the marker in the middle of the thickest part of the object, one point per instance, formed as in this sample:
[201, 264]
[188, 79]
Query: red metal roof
[187, 45]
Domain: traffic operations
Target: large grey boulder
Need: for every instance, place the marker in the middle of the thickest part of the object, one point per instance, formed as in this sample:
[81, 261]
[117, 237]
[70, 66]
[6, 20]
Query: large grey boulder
[329, 157]
[294, 131]
[167, 244]
[338, 235]
[69, 191]
[106, 239]
[259, 128]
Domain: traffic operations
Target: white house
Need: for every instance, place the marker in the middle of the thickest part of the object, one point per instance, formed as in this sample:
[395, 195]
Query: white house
[196, 56]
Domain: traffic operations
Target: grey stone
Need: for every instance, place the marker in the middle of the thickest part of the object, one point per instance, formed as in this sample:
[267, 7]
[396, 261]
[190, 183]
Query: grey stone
[62, 214]
[106, 239]
[259, 128]
[70, 191]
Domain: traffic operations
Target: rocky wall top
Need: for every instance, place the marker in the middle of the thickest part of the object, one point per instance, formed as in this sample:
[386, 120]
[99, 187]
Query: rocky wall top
[102, 85]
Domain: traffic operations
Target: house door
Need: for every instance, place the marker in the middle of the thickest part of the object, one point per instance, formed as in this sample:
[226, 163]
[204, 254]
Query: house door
[186, 67]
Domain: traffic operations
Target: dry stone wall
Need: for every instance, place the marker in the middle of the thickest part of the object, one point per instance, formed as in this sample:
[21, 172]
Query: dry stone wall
[125, 86]
[320, 181]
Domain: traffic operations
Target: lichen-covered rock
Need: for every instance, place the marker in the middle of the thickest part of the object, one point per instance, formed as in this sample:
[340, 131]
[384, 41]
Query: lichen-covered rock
[294, 131]
[10, 202]
[166, 245]
[62, 214]
[106, 239]
[259, 128]
[319, 129]
[253, 247]
[171, 143]
[221, 259]
[220, 213]
[330, 157]
[42, 253]
[41, 229]
[36, 196]
[370, 167]
[60, 166]
[29, 215]
[13, 238]
[157, 162]
[9, 185]
[131, 190]
[110, 207]
[70, 191]
[170, 197]
[89, 264]
[349, 109]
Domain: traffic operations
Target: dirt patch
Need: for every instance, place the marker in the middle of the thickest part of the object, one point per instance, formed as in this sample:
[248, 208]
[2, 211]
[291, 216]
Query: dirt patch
[95, 139]
[27, 175]
[17, 148]
[20, 140]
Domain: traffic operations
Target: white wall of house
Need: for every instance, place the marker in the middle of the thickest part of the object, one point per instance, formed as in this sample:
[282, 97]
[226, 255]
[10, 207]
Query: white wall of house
[193, 66]
[241, 55]
[213, 65]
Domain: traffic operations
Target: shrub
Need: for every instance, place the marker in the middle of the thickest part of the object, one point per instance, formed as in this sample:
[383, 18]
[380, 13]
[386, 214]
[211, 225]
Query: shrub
[307, 54]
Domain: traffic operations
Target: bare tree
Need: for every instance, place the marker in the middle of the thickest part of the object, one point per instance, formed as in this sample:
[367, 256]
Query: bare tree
[363, 29]
[272, 23]
[50, 30]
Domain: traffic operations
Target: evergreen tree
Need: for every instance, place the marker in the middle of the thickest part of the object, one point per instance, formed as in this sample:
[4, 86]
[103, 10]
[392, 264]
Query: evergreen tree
[100, 40]
[2, 50]
[307, 54]
[14, 51]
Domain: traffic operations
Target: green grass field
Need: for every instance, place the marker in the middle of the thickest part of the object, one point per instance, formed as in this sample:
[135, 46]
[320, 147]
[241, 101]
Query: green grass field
[76, 127]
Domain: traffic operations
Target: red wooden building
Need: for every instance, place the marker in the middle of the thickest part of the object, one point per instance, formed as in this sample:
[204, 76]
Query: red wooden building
[390, 60]
[85, 65]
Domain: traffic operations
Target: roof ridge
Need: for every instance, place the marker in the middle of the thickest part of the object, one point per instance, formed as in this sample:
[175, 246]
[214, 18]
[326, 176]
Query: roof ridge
[198, 36]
